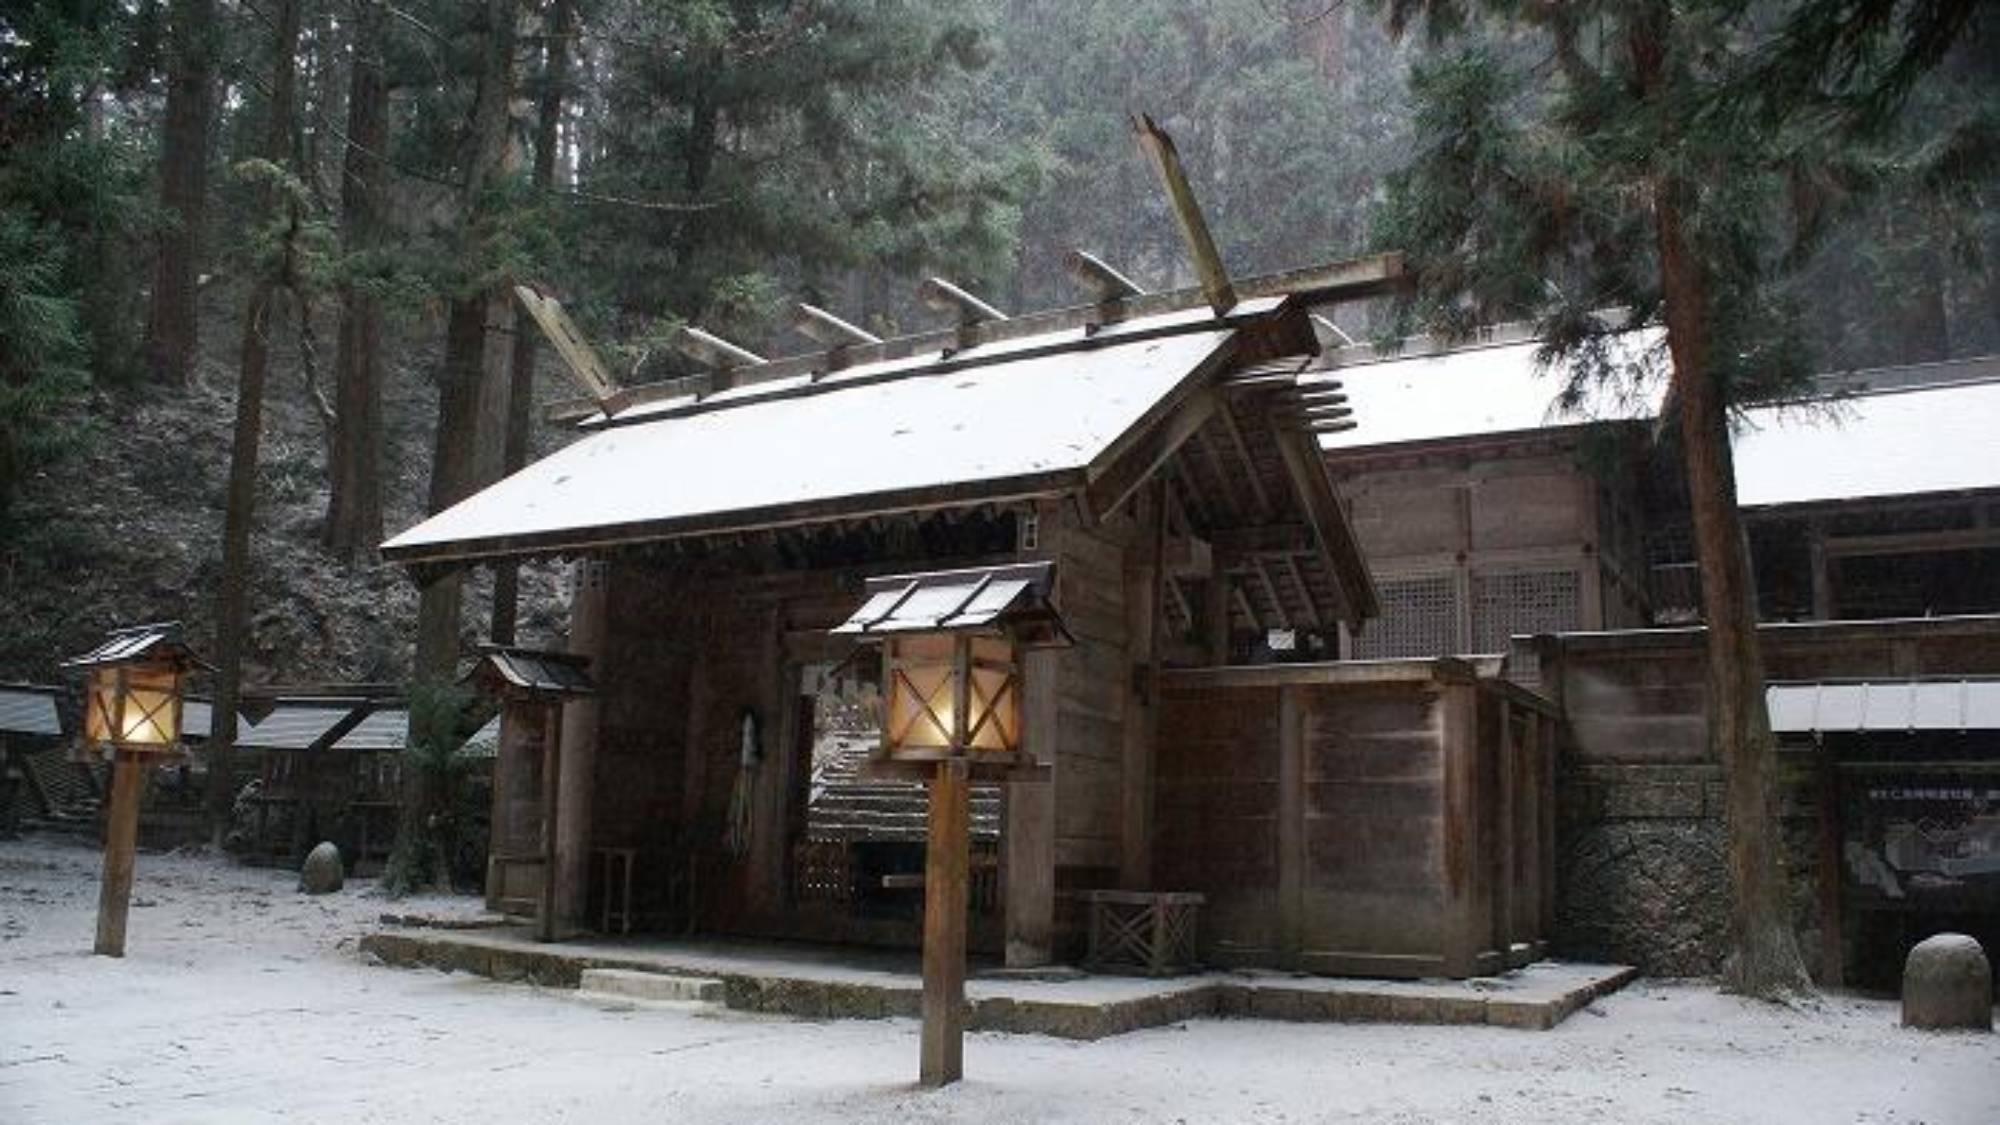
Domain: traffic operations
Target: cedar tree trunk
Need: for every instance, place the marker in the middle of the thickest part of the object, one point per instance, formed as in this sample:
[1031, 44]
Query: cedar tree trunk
[521, 383]
[239, 516]
[354, 501]
[171, 329]
[455, 458]
[1764, 955]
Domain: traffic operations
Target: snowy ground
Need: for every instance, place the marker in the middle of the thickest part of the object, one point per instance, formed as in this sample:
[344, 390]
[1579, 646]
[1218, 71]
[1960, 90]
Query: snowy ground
[242, 1000]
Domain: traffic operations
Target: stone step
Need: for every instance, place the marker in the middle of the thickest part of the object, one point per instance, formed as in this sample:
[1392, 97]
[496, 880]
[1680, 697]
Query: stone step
[633, 984]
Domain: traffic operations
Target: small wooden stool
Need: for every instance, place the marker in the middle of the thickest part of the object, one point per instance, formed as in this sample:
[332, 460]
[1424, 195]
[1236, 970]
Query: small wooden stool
[617, 867]
[1149, 932]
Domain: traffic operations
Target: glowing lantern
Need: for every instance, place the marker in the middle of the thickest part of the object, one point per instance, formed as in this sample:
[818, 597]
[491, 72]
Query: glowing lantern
[951, 661]
[133, 698]
[132, 706]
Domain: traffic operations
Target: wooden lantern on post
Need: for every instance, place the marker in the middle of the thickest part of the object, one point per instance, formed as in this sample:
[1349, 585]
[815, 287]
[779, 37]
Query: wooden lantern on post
[132, 712]
[951, 712]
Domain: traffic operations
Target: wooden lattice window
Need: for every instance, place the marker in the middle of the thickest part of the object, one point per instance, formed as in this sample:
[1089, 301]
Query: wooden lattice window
[1512, 603]
[1419, 618]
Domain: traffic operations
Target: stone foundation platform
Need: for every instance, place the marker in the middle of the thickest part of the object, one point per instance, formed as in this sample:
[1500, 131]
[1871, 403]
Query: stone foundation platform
[816, 983]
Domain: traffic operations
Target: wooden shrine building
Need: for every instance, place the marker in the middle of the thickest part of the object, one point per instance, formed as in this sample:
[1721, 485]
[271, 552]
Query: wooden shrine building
[1158, 452]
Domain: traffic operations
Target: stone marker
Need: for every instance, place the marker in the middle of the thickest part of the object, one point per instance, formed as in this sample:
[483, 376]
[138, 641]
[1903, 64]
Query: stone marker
[321, 874]
[1948, 984]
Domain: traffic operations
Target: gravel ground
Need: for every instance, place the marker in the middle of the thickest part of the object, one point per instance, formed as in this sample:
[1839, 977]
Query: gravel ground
[243, 1000]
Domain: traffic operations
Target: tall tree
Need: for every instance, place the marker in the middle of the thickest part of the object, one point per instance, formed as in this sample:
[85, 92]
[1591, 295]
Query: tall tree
[1288, 112]
[521, 367]
[764, 145]
[172, 327]
[354, 464]
[1623, 178]
[70, 189]
[455, 456]
[276, 276]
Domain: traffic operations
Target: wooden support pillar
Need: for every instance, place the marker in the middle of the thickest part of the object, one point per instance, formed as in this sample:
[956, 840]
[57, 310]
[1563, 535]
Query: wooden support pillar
[1462, 928]
[1029, 835]
[1215, 609]
[1551, 762]
[1506, 776]
[1143, 575]
[121, 841]
[1833, 954]
[1537, 791]
[947, 855]
[1822, 575]
[577, 781]
[547, 927]
[1291, 826]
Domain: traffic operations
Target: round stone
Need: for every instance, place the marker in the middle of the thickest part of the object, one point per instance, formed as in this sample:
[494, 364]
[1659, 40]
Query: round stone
[322, 871]
[1948, 984]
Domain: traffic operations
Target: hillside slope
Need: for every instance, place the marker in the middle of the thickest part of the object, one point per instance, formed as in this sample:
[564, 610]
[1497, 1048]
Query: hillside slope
[128, 527]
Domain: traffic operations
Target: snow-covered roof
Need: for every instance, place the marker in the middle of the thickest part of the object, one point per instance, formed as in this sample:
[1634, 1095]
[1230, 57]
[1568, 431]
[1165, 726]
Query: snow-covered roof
[1898, 705]
[1479, 390]
[198, 719]
[1900, 442]
[946, 600]
[1004, 420]
[381, 731]
[28, 709]
[303, 725]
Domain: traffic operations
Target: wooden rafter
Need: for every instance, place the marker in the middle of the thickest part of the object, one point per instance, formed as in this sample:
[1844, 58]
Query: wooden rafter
[1236, 442]
[1242, 602]
[1271, 587]
[1215, 465]
[1193, 493]
[1291, 565]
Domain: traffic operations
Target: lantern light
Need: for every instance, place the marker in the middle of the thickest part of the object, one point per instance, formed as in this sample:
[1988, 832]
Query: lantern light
[951, 665]
[133, 698]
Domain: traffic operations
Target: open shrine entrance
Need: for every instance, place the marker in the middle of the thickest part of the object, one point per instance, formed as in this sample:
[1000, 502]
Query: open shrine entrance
[858, 855]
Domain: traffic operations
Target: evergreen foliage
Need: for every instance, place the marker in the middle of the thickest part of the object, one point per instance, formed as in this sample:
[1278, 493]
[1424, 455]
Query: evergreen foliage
[429, 858]
[751, 149]
[69, 211]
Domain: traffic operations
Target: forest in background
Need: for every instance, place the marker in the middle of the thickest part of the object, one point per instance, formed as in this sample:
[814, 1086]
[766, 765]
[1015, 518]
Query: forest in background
[333, 195]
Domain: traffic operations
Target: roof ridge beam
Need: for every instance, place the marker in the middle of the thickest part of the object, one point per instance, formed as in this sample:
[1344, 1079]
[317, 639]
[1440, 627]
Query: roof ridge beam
[1372, 275]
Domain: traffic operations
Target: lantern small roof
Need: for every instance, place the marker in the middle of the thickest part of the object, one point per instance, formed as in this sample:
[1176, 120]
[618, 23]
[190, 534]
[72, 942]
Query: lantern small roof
[536, 671]
[952, 600]
[161, 641]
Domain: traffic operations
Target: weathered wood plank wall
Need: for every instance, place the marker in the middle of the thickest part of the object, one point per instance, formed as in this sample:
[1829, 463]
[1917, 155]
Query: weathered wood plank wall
[1355, 819]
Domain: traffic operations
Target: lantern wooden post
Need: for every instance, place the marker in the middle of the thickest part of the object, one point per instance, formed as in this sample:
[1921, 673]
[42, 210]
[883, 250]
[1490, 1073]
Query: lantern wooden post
[952, 689]
[947, 850]
[132, 709]
[121, 841]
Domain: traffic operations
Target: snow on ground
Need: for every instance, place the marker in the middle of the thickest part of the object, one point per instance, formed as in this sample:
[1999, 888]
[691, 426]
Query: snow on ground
[242, 1000]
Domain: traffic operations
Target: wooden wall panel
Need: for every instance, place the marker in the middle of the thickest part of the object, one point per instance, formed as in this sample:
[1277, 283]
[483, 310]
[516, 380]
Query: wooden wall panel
[1216, 814]
[1543, 508]
[1373, 817]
